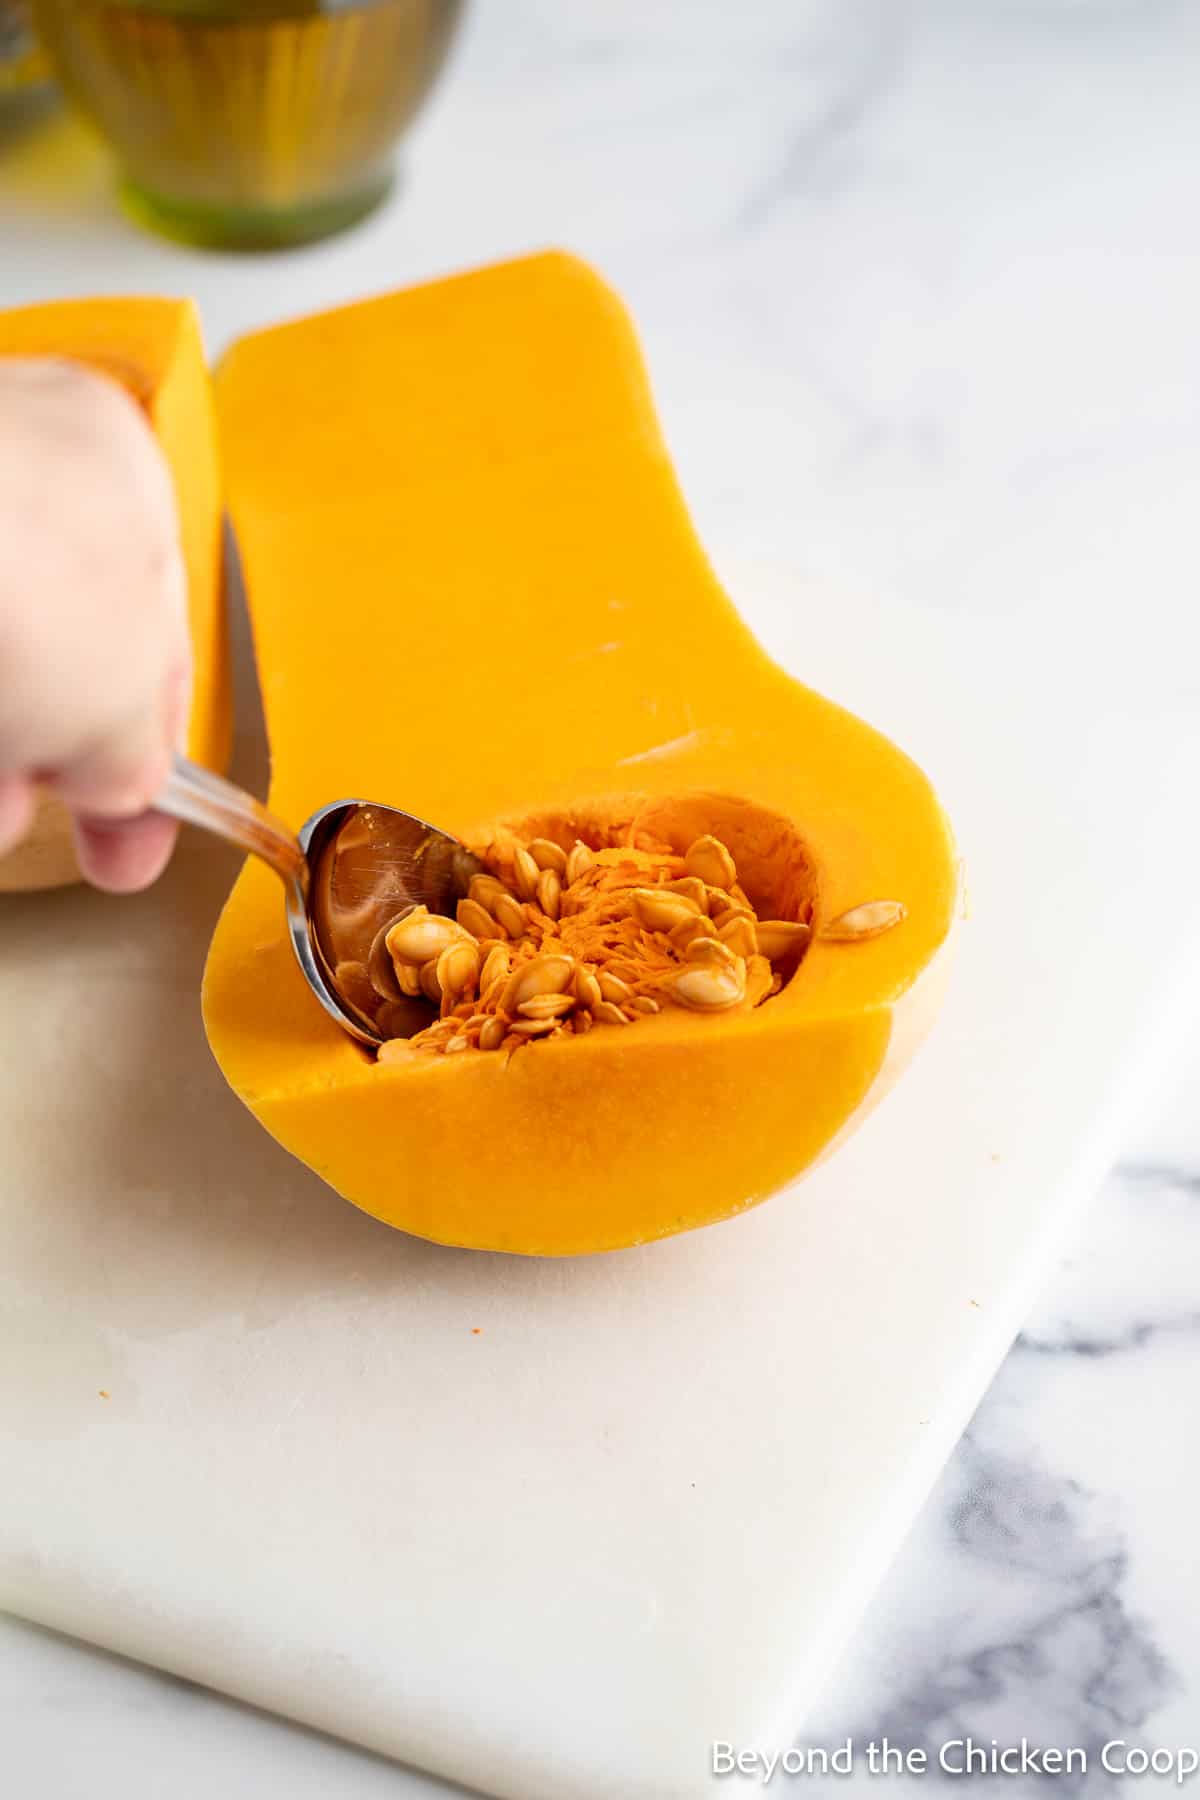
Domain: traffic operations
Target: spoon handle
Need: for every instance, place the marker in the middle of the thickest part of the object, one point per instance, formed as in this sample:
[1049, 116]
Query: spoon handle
[199, 797]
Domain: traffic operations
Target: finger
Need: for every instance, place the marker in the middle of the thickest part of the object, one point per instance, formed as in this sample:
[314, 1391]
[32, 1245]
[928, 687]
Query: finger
[124, 856]
[177, 699]
[118, 777]
[16, 810]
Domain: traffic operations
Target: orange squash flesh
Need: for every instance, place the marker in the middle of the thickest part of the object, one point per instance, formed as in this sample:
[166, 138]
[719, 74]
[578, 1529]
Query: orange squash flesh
[475, 592]
[153, 348]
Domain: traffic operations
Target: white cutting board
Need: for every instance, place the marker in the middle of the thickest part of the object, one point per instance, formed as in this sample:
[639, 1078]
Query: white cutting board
[550, 1528]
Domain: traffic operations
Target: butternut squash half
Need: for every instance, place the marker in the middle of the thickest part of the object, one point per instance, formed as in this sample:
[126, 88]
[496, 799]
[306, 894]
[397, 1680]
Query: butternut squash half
[475, 592]
[153, 349]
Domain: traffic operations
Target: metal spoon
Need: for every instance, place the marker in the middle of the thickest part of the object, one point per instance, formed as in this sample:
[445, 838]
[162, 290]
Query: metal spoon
[346, 874]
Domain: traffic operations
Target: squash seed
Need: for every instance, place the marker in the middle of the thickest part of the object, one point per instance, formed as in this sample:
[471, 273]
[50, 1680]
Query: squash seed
[644, 1003]
[865, 921]
[485, 890]
[493, 1034]
[777, 937]
[409, 977]
[690, 930]
[546, 1006]
[722, 916]
[548, 856]
[659, 910]
[496, 966]
[740, 935]
[708, 989]
[582, 1022]
[458, 968]
[549, 892]
[477, 920]
[605, 1013]
[692, 888]
[525, 873]
[508, 912]
[579, 861]
[422, 935]
[613, 988]
[710, 862]
[528, 1028]
[710, 953]
[544, 975]
[587, 987]
[760, 980]
[430, 986]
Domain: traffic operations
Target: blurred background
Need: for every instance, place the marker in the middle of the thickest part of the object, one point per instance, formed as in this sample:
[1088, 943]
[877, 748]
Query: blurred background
[918, 283]
[239, 123]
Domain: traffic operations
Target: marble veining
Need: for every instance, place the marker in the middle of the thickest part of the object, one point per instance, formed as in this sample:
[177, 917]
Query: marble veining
[1018, 1609]
[1059, 1658]
[848, 73]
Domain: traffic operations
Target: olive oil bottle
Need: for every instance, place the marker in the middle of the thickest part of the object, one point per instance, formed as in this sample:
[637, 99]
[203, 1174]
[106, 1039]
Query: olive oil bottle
[249, 122]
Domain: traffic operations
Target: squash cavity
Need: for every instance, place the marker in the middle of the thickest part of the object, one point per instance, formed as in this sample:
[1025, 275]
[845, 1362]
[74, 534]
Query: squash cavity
[607, 915]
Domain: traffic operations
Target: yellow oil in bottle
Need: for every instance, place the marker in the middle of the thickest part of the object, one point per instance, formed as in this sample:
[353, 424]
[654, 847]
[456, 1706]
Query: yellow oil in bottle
[249, 122]
[23, 67]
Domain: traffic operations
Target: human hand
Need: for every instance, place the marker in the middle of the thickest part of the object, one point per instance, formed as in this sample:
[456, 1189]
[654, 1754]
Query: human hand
[95, 662]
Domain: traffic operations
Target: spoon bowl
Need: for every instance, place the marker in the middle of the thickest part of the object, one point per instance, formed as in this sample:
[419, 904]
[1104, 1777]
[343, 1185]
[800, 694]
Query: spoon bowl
[353, 866]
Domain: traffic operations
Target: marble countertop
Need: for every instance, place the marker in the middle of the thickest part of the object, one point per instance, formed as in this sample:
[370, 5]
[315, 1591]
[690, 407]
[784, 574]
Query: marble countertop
[1047, 1590]
[919, 283]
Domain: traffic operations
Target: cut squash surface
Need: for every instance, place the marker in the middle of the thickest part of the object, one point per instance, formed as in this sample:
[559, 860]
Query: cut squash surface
[476, 593]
